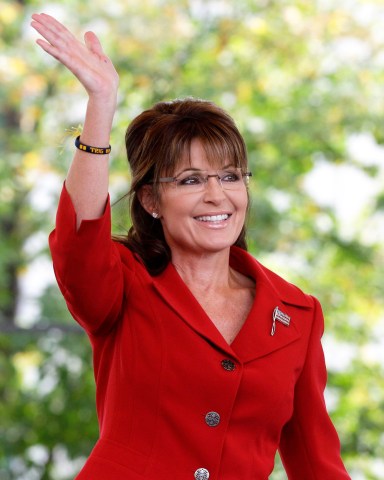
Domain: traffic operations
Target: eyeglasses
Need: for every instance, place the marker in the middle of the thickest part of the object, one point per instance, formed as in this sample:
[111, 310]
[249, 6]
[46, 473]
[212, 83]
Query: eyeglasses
[197, 180]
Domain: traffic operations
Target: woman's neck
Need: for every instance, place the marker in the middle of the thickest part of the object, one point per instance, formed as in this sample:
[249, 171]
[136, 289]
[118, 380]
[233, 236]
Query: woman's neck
[206, 272]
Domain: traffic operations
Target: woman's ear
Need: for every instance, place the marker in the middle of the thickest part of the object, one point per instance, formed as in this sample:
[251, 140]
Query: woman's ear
[147, 200]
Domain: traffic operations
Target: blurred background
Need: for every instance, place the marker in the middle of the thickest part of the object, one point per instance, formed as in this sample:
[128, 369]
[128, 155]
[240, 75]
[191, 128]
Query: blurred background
[304, 81]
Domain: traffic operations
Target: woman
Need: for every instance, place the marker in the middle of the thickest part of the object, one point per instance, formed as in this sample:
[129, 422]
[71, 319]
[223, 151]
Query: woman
[205, 361]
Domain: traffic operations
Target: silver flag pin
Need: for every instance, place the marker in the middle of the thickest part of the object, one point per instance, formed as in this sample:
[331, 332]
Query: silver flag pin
[280, 317]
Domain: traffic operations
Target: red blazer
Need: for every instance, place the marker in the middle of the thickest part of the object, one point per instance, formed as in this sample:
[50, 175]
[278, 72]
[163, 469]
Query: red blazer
[174, 400]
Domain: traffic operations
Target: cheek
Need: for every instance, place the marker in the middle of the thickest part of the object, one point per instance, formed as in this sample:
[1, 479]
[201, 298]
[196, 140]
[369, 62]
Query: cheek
[176, 213]
[241, 203]
[172, 205]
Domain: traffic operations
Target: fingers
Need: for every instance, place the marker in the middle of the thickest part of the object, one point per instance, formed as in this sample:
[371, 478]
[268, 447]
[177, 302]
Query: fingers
[87, 62]
[49, 27]
[47, 47]
[49, 22]
[52, 32]
[93, 43]
[59, 39]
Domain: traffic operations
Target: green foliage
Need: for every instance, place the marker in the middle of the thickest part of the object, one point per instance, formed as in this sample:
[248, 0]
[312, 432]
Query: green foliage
[302, 79]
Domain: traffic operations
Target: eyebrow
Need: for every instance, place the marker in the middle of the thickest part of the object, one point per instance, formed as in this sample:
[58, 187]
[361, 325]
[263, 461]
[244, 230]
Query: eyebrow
[191, 169]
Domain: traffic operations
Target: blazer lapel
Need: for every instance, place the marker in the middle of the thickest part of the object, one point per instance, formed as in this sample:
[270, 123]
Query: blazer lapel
[255, 339]
[177, 295]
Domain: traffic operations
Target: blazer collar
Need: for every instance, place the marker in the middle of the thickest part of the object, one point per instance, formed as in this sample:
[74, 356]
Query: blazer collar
[254, 339]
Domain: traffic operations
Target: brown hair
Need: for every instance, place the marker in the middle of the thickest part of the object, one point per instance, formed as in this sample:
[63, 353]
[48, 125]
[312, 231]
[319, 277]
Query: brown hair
[156, 141]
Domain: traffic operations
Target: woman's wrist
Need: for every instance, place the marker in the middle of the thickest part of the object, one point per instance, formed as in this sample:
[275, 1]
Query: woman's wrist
[104, 102]
[98, 121]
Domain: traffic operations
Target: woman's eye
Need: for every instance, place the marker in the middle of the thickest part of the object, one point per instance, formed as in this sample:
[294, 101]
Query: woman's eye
[190, 180]
[230, 177]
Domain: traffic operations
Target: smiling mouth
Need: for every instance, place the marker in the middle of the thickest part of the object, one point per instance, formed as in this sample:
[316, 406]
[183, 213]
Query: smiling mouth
[213, 218]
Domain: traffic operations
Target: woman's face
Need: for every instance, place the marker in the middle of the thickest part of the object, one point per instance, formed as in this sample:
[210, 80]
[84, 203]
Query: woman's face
[205, 221]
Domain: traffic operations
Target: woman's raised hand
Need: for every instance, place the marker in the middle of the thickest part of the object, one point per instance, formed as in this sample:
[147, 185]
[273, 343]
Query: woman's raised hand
[87, 179]
[86, 61]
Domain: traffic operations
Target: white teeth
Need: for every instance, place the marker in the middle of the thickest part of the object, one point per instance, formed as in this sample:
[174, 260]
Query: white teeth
[213, 218]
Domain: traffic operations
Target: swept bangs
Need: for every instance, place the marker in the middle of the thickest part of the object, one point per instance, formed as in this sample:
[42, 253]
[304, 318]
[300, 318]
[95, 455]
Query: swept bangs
[221, 146]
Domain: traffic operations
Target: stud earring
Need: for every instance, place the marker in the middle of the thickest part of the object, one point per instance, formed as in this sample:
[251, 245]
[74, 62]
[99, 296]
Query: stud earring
[155, 215]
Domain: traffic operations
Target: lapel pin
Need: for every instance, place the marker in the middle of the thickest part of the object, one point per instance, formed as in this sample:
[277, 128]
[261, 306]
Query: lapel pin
[280, 317]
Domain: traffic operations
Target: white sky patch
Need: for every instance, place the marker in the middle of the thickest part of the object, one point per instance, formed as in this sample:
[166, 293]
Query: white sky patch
[256, 125]
[210, 10]
[45, 188]
[332, 398]
[362, 147]
[63, 465]
[39, 272]
[378, 467]
[344, 188]
[374, 352]
[350, 50]
[38, 454]
[32, 282]
[35, 243]
[373, 233]
[279, 199]
[338, 355]
[349, 191]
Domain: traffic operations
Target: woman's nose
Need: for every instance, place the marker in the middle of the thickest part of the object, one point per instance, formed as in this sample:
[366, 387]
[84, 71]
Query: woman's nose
[213, 190]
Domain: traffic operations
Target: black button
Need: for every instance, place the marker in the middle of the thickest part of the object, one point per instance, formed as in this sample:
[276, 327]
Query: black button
[228, 365]
[212, 419]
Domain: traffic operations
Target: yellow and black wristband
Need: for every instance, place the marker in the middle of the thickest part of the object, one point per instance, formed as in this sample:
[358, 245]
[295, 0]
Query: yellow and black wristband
[89, 149]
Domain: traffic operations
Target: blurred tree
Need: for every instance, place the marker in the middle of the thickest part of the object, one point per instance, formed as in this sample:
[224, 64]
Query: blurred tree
[303, 81]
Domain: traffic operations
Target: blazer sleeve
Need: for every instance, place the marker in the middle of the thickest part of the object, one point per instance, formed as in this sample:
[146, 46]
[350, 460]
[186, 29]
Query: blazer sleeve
[309, 445]
[87, 267]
